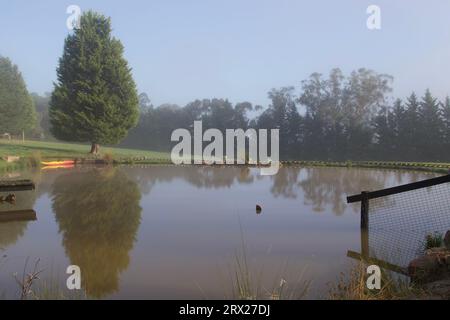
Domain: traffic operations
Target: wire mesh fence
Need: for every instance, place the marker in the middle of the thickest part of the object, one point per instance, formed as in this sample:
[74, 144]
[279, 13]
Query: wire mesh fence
[399, 221]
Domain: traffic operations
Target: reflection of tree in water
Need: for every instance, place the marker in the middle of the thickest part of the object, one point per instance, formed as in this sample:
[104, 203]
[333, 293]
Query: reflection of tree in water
[329, 186]
[10, 232]
[285, 183]
[218, 177]
[320, 187]
[326, 186]
[199, 176]
[98, 214]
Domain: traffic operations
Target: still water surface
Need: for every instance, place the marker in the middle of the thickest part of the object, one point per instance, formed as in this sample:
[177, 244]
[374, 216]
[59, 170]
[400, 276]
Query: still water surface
[173, 232]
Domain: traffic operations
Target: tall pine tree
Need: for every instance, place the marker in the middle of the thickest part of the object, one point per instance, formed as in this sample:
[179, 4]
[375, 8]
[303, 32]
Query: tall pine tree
[399, 126]
[430, 127]
[446, 127]
[95, 98]
[17, 111]
[412, 132]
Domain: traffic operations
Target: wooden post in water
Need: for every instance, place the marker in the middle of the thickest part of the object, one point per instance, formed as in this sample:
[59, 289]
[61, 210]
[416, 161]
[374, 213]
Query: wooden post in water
[364, 224]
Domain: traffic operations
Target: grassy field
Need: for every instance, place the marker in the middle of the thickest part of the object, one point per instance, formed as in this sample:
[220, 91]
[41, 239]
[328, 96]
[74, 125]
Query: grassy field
[33, 151]
[69, 150]
[60, 150]
[439, 167]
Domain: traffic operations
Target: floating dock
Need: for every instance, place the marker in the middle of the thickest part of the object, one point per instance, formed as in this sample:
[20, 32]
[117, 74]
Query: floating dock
[16, 185]
[18, 215]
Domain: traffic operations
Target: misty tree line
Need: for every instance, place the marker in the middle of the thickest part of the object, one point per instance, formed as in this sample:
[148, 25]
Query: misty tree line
[336, 117]
[333, 117]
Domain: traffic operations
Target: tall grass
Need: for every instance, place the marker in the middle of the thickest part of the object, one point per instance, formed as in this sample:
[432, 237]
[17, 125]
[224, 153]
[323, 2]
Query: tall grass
[352, 285]
[247, 283]
[51, 289]
[33, 286]
[27, 280]
[247, 280]
[35, 159]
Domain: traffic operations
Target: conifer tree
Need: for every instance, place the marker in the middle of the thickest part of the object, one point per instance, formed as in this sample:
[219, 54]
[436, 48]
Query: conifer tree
[17, 111]
[446, 127]
[95, 98]
[430, 127]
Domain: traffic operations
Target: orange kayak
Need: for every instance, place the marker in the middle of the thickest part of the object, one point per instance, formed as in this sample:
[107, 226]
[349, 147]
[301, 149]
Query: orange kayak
[58, 163]
[65, 166]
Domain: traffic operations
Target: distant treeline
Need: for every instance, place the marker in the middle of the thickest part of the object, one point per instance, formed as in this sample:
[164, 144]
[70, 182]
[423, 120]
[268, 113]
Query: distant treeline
[334, 117]
[331, 118]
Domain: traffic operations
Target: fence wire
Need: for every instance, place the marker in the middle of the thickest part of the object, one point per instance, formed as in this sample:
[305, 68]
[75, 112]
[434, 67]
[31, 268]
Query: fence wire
[399, 223]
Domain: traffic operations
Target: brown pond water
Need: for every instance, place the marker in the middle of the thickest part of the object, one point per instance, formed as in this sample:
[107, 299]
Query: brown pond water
[173, 232]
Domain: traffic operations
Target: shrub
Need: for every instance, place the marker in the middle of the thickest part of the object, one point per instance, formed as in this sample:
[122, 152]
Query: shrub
[35, 159]
[108, 157]
[433, 240]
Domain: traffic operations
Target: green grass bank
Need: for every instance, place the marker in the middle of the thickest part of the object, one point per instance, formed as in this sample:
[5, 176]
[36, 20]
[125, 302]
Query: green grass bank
[32, 152]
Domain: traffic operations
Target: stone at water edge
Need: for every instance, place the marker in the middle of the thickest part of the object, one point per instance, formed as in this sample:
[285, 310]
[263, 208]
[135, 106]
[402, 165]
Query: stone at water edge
[447, 239]
[436, 251]
[423, 268]
[440, 288]
[11, 159]
[432, 266]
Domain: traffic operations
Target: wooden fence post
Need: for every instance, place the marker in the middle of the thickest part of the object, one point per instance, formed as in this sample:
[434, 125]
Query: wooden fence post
[364, 210]
[364, 224]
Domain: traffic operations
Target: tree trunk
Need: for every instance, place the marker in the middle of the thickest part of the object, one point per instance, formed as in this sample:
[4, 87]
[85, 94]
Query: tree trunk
[94, 148]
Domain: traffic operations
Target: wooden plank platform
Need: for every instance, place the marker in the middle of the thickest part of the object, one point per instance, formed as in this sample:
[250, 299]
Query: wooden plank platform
[18, 215]
[378, 262]
[16, 185]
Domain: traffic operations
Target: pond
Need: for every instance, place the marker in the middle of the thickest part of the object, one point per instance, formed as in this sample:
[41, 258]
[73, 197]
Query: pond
[167, 232]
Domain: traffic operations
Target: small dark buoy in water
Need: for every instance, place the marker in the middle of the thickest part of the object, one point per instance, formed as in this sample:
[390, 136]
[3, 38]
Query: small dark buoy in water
[258, 209]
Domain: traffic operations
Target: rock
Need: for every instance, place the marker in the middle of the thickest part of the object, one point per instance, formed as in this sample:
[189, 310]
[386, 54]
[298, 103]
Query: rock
[432, 266]
[11, 159]
[447, 261]
[447, 240]
[424, 268]
[439, 288]
[435, 251]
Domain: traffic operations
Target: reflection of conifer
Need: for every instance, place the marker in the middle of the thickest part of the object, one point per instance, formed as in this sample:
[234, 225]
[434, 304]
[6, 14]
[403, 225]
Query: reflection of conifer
[98, 214]
[10, 232]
